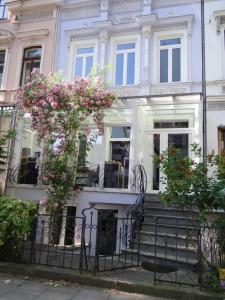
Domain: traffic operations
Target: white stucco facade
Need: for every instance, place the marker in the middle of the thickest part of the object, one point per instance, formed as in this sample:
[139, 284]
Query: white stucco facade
[155, 106]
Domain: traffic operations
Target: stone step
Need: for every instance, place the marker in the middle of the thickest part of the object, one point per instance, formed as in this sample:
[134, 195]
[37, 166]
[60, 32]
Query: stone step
[164, 248]
[179, 262]
[171, 238]
[158, 204]
[168, 219]
[169, 229]
[170, 211]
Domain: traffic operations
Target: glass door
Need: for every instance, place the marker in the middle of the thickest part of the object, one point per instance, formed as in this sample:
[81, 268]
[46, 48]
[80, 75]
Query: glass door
[161, 141]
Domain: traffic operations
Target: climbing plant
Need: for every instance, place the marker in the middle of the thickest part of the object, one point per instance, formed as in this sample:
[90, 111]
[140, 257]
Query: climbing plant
[59, 111]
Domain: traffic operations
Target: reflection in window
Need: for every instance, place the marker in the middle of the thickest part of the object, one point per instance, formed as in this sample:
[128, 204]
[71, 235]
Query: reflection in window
[120, 132]
[30, 155]
[170, 124]
[221, 139]
[88, 160]
[31, 60]
[170, 60]
[180, 142]
[116, 173]
[84, 61]
[2, 63]
[125, 64]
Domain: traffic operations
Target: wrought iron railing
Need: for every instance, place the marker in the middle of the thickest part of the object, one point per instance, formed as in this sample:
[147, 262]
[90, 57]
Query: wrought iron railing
[139, 185]
[3, 10]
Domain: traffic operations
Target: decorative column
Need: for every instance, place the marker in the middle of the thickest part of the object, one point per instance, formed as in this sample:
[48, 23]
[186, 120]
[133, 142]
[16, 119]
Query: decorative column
[103, 37]
[189, 68]
[147, 33]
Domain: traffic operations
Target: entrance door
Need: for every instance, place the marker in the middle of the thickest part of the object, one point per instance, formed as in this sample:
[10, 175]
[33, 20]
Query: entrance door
[163, 140]
[70, 225]
[107, 231]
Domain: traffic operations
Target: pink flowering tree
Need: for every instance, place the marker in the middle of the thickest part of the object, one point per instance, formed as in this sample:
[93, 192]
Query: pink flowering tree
[59, 111]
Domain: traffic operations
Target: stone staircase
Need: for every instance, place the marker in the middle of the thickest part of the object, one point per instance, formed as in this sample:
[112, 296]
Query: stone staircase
[167, 235]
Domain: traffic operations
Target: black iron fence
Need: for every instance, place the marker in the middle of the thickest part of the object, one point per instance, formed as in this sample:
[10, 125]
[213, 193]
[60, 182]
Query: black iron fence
[96, 242]
[186, 253]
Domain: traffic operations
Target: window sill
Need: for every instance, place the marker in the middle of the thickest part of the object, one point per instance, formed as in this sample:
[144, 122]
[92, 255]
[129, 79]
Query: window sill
[109, 190]
[28, 186]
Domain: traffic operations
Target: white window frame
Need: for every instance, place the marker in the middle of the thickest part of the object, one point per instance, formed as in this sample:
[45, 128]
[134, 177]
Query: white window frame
[5, 69]
[20, 58]
[222, 34]
[92, 43]
[114, 41]
[107, 149]
[183, 35]
[125, 53]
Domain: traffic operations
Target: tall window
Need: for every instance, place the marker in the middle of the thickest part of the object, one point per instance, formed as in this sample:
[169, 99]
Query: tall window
[84, 61]
[170, 60]
[117, 168]
[31, 60]
[3, 10]
[2, 63]
[221, 139]
[125, 64]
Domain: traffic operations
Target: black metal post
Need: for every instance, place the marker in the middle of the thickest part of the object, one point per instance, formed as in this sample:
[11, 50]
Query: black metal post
[204, 98]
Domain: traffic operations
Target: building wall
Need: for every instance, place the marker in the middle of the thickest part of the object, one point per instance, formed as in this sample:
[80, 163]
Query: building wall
[29, 24]
[215, 69]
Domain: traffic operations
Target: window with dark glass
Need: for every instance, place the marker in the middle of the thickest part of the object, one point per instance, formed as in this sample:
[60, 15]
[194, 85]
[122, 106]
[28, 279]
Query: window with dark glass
[171, 124]
[179, 141]
[2, 63]
[31, 60]
[221, 139]
[117, 168]
[30, 155]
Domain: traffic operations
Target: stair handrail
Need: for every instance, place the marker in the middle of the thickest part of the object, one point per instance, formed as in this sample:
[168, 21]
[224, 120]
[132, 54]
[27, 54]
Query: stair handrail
[140, 184]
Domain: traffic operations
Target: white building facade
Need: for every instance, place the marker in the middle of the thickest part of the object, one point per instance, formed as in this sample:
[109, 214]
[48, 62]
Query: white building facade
[215, 74]
[152, 51]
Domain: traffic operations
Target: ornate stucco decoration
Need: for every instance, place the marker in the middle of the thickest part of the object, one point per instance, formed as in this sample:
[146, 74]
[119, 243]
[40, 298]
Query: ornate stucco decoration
[123, 20]
[84, 12]
[33, 36]
[125, 91]
[34, 16]
[174, 23]
[168, 3]
[5, 36]
[117, 6]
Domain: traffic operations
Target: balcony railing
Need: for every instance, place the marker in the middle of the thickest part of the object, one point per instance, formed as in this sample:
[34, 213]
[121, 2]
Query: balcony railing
[3, 10]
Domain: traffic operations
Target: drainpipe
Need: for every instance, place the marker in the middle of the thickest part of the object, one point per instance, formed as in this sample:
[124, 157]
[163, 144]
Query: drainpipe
[204, 98]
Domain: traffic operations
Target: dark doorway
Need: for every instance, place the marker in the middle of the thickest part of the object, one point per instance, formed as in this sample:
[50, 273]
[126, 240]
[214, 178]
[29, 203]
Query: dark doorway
[107, 231]
[70, 225]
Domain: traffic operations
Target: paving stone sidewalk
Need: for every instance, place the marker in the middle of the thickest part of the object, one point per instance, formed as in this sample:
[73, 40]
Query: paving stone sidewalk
[26, 288]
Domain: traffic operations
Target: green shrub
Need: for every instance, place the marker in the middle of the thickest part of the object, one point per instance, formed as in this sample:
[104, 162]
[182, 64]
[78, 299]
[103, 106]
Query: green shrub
[16, 222]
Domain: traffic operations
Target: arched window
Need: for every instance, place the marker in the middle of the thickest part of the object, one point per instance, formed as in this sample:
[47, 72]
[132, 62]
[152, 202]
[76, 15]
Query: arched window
[31, 60]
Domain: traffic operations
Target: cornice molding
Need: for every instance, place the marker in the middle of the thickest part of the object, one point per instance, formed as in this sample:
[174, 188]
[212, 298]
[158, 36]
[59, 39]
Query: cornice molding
[34, 16]
[71, 13]
[31, 5]
[167, 3]
[32, 36]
